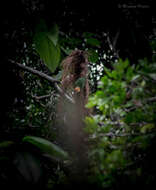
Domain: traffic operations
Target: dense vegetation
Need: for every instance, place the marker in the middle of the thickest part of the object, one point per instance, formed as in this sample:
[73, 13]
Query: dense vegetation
[117, 148]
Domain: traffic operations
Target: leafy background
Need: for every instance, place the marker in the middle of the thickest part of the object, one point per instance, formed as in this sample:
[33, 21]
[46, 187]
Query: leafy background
[120, 40]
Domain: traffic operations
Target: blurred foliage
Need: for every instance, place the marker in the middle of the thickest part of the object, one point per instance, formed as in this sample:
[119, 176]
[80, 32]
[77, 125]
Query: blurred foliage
[122, 130]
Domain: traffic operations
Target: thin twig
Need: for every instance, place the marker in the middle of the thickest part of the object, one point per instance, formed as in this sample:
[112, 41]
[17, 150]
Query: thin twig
[111, 134]
[115, 39]
[41, 97]
[63, 93]
[109, 42]
[36, 100]
[152, 99]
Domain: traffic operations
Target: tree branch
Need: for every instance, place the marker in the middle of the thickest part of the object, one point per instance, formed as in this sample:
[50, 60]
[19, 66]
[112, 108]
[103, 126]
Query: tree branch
[36, 72]
[46, 77]
[152, 99]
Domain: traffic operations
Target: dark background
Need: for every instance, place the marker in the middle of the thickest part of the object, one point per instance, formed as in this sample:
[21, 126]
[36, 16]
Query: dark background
[131, 26]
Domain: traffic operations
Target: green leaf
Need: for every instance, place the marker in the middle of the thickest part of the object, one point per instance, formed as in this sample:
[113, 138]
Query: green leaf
[80, 82]
[58, 76]
[120, 66]
[115, 159]
[147, 128]
[66, 51]
[6, 144]
[129, 74]
[135, 77]
[93, 42]
[152, 76]
[47, 47]
[93, 56]
[91, 125]
[53, 34]
[92, 102]
[47, 147]
[41, 26]
[88, 34]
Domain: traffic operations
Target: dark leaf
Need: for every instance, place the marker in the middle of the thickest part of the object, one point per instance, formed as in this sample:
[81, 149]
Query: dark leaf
[47, 147]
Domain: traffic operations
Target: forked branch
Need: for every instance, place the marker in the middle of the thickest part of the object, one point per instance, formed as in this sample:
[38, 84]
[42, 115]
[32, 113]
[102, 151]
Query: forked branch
[46, 77]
